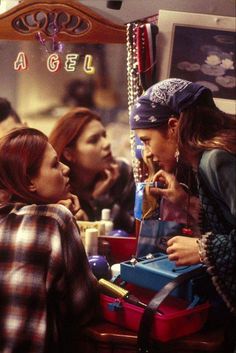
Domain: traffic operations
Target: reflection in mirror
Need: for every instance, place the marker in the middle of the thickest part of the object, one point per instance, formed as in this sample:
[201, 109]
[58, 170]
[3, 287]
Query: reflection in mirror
[41, 91]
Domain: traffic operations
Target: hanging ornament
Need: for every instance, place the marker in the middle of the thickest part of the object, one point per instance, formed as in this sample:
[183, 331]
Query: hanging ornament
[53, 45]
[146, 54]
[141, 73]
[41, 40]
[56, 46]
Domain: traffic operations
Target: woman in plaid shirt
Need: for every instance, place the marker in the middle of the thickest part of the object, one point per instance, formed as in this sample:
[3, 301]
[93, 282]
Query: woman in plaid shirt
[47, 290]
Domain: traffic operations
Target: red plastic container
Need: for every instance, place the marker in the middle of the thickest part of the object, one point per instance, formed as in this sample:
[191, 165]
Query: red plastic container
[122, 248]
[176, 321]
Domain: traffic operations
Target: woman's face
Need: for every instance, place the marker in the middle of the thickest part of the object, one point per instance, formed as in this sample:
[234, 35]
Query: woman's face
[52, 181]
[161, 145]
[92, 151]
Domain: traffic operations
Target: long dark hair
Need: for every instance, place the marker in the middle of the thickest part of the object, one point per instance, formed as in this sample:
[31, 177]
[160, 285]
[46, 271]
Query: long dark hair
[203, 128]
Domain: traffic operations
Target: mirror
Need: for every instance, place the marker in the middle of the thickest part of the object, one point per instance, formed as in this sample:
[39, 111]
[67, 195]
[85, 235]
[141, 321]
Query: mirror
[31, 32]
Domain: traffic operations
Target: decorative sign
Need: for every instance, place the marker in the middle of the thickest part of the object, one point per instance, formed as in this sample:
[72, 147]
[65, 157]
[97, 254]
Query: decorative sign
[21, 62]
[88, 65]
[71, 62]
[54, 62]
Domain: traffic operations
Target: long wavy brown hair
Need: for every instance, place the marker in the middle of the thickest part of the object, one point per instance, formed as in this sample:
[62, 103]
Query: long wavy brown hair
[204, 128]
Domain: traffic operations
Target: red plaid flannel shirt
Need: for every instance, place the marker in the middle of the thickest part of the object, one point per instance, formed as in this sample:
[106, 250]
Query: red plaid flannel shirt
[47, 290]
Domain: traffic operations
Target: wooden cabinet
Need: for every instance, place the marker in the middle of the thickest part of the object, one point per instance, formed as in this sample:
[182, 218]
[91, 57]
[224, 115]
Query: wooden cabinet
[108, 338]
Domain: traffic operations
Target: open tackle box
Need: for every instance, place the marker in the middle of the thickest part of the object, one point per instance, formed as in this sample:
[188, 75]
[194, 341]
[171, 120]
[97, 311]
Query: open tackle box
[173, 320]
[155, 270]
[148, 288]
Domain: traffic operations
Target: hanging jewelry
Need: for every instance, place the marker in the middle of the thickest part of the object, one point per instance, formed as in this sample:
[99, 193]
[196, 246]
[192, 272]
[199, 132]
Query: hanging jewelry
[177, 155]
[134, 89]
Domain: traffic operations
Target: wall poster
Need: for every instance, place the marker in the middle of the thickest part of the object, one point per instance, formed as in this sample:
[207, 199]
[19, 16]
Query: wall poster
[200, 48]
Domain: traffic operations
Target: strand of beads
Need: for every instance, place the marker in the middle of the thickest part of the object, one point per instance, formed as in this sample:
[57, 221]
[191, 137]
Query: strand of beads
[134, 88]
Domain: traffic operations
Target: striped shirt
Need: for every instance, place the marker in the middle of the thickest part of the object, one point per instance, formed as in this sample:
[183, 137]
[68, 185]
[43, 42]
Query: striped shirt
[47, 291]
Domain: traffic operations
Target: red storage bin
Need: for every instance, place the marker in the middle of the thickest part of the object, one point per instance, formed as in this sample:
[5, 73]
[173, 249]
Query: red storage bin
[122, 248]
[176, 321]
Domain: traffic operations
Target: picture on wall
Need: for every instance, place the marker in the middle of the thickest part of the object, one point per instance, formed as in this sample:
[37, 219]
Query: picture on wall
[199, 48]
[206, 56]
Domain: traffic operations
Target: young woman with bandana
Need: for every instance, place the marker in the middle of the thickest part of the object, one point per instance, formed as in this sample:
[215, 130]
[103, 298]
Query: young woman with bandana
[178, 119]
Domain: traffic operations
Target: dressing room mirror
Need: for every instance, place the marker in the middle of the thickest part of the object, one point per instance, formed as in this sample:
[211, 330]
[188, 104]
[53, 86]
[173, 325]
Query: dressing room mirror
[58, 55]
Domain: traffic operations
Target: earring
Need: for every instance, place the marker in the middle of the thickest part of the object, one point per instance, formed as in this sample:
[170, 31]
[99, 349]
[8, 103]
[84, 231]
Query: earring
[177, 155]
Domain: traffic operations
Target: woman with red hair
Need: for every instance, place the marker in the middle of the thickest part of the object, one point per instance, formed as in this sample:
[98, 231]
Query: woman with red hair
[96, 177]
[48, 291]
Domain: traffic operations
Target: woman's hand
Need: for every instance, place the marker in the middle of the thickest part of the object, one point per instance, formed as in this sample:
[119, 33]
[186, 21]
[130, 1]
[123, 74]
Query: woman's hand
[110, 176]
[171, 190]
[72, 203]
[183, 250]
[81, 215]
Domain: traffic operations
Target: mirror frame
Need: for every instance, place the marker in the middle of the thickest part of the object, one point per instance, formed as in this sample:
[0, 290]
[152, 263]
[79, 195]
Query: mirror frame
[94, 28]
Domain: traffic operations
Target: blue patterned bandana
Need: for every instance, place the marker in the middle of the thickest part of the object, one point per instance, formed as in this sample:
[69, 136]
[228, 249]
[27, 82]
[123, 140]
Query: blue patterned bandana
[166, 98]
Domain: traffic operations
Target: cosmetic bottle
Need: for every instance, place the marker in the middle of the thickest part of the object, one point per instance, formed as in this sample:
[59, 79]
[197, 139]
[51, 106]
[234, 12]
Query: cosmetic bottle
[106, 219]
[91, 241]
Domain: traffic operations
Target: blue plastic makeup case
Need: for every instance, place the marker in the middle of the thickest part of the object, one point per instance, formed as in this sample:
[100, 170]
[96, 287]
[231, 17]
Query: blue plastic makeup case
[156, 270]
